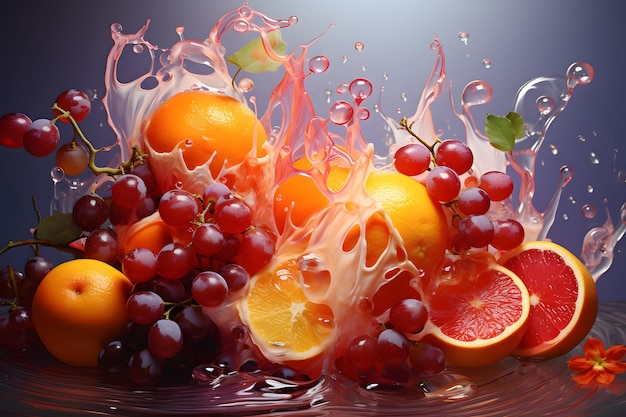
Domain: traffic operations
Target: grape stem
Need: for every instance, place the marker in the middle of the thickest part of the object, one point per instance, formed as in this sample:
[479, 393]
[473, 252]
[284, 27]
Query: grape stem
[405, 125]
[171, 306]
[36, 242]
[136, 157]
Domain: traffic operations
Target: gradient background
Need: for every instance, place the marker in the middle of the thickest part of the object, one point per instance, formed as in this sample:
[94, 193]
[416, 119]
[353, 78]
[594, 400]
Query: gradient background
[49, 46]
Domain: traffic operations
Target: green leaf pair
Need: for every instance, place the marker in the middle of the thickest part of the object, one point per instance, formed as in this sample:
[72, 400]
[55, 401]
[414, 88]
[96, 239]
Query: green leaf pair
[59, 228]
[503, 130]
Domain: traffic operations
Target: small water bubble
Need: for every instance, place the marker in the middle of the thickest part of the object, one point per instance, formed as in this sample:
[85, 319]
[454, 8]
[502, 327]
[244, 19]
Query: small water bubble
[571, 199]
[463, 36]
[241, 25]
[403, 96]
[188, 143]
[345, 59]
[487, 63]
[246, 85]
[565, 216]
[594, 133]
[621, 177]
[399, 110]
[363, 113]
[545, 105]
[554, 150]
[363, 68]
[376, 109]
[579, 73]
[318, 64]
[138, 48]
[178, 185]
[476, 92]
[590, 188]
[342, 88]
[360, 89]
[116, 28]
[593, 158]
[581, 138]
[180, 30]
[359, 46]
[57, 174]
[293, 20]
[279, 197]
[567, 173]
[589, 211]
[340, 112]
[386, 76]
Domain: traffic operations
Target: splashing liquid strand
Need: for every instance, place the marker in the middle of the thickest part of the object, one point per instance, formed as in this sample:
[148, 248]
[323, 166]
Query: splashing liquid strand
[298, 133]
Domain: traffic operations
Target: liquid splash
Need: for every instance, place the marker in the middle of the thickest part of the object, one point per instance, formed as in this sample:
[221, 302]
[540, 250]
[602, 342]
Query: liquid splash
[297, 132]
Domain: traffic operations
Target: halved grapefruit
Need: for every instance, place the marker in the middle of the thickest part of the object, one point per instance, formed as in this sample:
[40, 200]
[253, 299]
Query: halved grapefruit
[478, 316]
[563, 298]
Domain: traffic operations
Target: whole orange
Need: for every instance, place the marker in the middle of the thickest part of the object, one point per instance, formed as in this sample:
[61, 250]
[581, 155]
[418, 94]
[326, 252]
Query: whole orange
[78, 308]
[205, 124]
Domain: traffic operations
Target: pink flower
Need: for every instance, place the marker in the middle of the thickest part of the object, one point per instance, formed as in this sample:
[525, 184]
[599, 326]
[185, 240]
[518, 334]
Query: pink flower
[597, 364]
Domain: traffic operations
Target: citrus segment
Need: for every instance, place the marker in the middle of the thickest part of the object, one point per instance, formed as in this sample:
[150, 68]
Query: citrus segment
[204, 123]
[78, 308]
[282, 322]
[478, 319]
[564, 301]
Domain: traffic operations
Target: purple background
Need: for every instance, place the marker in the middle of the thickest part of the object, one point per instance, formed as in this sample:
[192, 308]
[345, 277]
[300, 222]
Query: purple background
[51, 46]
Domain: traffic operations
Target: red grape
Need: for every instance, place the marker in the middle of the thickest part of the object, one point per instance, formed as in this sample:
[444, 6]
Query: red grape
[101, 244]
[12, 129]
[232, 214]
[427, 359]
[443, 184]
[362, 352]
[74, 101]
[73, 158]
[393, 346]
[412, 159]
[165, 338]
[476, 230]
[507, 234]
[41, 137]
[90, 212]
[473, 201]
[209, 289]
[174, 260]
[139, 265]
[128, 191]
[498, 185]
[408, 316]
[207, 239]
[454, 154]
[178, 208]
[145, 307]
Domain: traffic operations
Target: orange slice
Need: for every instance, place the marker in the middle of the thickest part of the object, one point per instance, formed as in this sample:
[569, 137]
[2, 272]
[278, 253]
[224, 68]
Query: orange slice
[282, 322]
[478, 316]
[563, 298]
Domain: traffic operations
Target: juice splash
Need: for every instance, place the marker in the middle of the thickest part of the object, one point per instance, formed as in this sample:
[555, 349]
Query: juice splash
[297, 132]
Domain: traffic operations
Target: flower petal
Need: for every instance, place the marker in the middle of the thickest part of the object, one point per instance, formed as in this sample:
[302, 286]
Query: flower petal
[604, 377]
[615, 367]
[593, 348]
[615, 353]
[586, 377]
[580, 364]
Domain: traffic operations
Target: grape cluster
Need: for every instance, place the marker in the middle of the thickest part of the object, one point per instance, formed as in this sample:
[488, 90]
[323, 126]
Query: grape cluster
[389, 357]
[17, 289]
[471, 199]
[41, 137]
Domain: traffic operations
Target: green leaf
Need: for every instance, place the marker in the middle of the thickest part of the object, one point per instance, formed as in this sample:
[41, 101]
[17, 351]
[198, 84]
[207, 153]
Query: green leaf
[518, 124]
[58, 228]
[500, 132]
[253, 58]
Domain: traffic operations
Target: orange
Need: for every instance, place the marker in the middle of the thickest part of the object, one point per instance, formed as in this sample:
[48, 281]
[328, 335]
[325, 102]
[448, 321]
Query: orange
[419, 220]
[202, 124]
[78, 308]
[478, 315]
[563, 298]
[150, 232]
[283, 323]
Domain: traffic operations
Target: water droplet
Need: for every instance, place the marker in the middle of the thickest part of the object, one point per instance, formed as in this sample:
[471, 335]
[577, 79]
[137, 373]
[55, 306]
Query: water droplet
[137, 48]
[621, 177]
[565, 216]
[545, 105]
[180, 30]
[571, 199]
[593, 158]
[116, 28]
[178, 185]
[188, 143]
[359, 46]
[241, 25]
[293, 20]
[57, 174]
[360, 89]
[398, 110]
[476, 92]
[581, 138]
[386, 76]
[279, 197]
[328, 93]
[363, 68]
[403, 96]
[464, 36]
[363, 113]
[590, 188]
[554, 150]
[377, 110]
[567, 173]
[434, 44]
[589, 211]
[487, 63]
[246, 85]
[579, 73]
[340, 112]
[318, 64]
[345, 59]
[341, 88]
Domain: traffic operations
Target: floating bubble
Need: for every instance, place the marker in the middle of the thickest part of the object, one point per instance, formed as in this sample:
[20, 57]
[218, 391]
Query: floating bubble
[554, 150]
[463, 36]
[579, 73]
[318, 64]
[137, 48]
[403, 96]
[57, 174]
[363, 113]
[581, 138]
[565, 216]
[567, 173]
[476, 92]
[246, 85]
[593, 158]
[590, 188]
[487, 63]
[116, 27]
[360, 89]
[328, 93]
[188, 143]
[341, 88]
[180, 30]
[359, 46]
[621, 177]
[340, 112]
[571, 199]
[545, 105]
[345, 59]
[589, 211]
[386, 76]
[241, 25]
